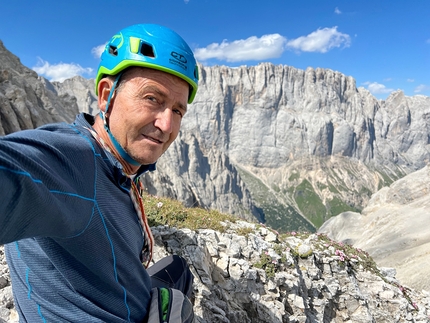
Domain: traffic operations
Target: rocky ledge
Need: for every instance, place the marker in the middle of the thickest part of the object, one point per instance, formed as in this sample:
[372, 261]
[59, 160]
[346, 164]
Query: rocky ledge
[249, 273]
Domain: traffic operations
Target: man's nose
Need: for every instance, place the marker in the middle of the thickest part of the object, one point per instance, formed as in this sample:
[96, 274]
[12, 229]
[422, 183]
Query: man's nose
[164, 120]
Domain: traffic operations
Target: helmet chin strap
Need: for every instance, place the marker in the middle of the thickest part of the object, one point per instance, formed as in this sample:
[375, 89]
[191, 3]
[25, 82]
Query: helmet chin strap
[115, 143]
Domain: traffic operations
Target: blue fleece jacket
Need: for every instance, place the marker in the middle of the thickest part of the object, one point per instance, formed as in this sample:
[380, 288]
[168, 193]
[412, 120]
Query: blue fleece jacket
[73, 236]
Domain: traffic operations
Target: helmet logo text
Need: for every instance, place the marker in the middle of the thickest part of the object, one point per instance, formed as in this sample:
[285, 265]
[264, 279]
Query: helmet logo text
[179, 57]
[178, 60]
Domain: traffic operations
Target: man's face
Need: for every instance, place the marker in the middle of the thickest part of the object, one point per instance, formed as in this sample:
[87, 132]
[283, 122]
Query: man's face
[146, 112]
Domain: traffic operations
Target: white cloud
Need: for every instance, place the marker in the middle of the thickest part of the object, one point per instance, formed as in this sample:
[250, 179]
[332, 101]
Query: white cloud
[321, 41]
[337, 11]
[61, 71]
[422, 88]
[410, 80]
[378, 88]
[272, 46]
[98, 50]
[252, 48]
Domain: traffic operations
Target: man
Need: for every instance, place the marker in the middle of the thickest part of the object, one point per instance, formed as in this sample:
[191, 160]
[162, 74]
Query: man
[71, 211]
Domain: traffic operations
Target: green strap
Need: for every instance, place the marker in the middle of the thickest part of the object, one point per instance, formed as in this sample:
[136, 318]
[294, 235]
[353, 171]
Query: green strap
[165, 300]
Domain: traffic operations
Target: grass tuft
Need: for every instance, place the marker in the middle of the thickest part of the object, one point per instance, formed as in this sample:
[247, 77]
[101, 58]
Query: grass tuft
[165, 211]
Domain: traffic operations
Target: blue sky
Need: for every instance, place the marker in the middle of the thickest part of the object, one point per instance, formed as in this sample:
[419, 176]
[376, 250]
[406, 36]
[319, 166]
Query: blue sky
[384, 45]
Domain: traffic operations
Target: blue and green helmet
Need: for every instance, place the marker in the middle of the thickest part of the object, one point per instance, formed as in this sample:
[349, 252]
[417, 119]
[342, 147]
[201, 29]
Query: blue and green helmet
[151, 46]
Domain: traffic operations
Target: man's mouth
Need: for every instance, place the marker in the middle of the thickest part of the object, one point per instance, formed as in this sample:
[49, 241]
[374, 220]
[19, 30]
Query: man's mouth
[157, 141]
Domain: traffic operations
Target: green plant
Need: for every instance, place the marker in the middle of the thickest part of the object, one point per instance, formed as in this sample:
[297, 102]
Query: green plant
[244, 231]
[268, 264]
[164, 211]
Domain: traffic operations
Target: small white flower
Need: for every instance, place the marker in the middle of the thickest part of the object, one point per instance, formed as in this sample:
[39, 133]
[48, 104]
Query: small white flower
[159, 204]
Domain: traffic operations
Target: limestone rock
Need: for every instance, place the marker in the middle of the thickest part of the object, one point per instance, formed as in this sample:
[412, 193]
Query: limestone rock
[256, 278]
[27, 100]
[201, 178]
[83, 90]
[266, 115]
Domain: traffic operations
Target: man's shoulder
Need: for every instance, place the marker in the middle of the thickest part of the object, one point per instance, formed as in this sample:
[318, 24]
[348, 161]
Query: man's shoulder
[62, 137]
[57, 134]
[81, 125]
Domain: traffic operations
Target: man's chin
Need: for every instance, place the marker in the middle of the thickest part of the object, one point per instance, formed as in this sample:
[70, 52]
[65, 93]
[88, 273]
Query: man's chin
[146, 157]
[146, 160]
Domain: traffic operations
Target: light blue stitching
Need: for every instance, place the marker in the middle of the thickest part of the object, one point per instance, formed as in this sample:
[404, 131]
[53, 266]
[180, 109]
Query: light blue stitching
[21, 173]
[126, 305]
[40, 313]
[86, 138]
[110, 241]
[17, 249]
[27, 273]
[81, 197]
[95, 177]
[73, 194]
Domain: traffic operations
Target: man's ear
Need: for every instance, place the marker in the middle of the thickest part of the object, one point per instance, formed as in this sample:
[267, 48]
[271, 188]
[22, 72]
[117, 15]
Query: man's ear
[104, 87]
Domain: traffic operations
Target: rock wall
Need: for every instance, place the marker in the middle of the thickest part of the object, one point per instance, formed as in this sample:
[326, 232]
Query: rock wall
[198, 177]
[266, 115]
[299, 135]
[27, 100]
[289, 129]
[83, 90]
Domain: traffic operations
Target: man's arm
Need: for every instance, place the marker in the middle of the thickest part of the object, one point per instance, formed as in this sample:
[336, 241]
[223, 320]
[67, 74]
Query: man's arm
[46, 190]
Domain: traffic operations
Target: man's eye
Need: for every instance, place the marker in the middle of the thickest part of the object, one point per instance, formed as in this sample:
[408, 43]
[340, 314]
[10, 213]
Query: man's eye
[178, 112]
[151, 98]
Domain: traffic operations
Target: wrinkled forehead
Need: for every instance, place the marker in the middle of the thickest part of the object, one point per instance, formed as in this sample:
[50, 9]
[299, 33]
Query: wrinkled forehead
[145, 72]
[171, 84]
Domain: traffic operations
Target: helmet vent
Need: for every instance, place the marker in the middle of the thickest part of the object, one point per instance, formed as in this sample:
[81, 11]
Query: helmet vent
[147, 50]
[113, 50]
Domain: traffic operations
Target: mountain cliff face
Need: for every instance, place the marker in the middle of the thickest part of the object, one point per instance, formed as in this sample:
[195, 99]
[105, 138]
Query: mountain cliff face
[27, 100]
[266, 115]
[307, 144]
[83, 90]
[308, 136]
